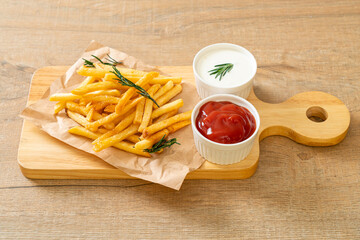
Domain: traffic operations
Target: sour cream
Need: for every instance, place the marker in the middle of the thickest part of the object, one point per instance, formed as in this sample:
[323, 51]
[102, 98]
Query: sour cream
[235, 80]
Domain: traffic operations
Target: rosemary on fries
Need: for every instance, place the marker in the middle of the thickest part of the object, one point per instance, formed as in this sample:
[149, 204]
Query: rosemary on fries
[163, 143]
[111, 61]
[127, 82]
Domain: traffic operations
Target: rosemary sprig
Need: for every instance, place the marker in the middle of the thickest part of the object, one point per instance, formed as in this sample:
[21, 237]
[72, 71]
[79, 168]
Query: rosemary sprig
[127, 82]
[221, 70]
[111, 61]
[163, 143]
[88, 63]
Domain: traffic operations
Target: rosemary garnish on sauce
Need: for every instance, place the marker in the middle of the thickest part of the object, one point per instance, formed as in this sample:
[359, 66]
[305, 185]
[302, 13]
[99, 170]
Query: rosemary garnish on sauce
[111, 61]
[221, 70]
[127, 82]
[163, 143]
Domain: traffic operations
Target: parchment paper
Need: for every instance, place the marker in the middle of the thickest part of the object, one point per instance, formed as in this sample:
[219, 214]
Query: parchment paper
[169, 168]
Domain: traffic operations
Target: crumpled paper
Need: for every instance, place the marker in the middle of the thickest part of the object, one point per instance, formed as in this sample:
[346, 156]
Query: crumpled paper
[169, 168]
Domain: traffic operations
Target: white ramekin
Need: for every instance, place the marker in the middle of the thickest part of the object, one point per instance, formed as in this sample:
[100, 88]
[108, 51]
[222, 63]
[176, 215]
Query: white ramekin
[205, 89]
[218, 152]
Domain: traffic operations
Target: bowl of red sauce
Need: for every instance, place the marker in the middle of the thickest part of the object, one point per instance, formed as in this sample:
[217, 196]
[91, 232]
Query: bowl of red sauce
[225, 127]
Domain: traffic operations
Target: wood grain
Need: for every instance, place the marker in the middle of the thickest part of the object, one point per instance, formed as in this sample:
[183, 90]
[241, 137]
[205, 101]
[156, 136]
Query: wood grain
[42, 157]
[298, 192]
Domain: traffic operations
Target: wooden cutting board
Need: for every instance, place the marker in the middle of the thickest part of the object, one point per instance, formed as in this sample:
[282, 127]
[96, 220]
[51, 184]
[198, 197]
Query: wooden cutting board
[44, 157]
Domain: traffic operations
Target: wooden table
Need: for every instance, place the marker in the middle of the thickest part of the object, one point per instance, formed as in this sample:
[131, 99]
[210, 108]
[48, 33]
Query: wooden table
[298, 192]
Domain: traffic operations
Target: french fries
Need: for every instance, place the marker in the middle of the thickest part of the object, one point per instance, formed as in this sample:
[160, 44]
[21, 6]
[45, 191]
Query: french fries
[81, 131]
[167, 122]
[113, 113]
[148, 108]
[167, 108]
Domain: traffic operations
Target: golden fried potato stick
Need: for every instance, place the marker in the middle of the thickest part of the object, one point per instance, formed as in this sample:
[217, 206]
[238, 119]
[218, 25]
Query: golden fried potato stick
[74, 107]
[151, 140]
[148, 108]
[110, 108]
[87, 81]
[166, 116]
[156, 80]
[103, 98]
[169, 85]
[101, 130]
[131, 91]
[91, 72]
[108, 142]
[80, 119]
[99, 106]
[90, 114]
[173, 128]
[64, 97]
[139, 111]
[121, 126]
[165, 123]
[167, 108]
[97, 86]
[113, 116]
[81, 131]
[169, 95]
[59, 106]
[133, 138]
[110, 92]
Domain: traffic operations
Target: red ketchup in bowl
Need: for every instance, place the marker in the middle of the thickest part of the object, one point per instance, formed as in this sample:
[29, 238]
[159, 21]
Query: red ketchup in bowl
[225, 122]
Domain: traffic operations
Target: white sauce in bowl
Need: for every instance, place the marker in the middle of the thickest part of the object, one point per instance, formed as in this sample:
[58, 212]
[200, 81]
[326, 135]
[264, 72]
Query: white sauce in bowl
[243, 70]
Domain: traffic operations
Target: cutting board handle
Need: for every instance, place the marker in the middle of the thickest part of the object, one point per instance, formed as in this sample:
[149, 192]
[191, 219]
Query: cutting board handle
[294, 119]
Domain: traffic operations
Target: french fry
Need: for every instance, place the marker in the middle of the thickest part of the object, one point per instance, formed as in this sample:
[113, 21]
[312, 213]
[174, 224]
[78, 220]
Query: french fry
[97, 86]
[64, 97]
[169, 95]
[110, 77]
[110, 108]
[165, 123]
[121, 126]
[131, 91]
[148, 142]
[167, 108]
[113, 116]
[76, 108]
[87, 81]
[83, 111]
[166, 116]
[92, 72]
[116, 138]
[93, 126]
[90, 114]
[99, 106]
[80, 119]
[125, 71]
[173, 128]
[103, 98]
[81, 131]
[169, 85]
[124, 99]
[156, 80]
[133, 138]
[164, 80]
[101, 130]
[111, 92]
[59, 106]
[139, 111]
[148, 108]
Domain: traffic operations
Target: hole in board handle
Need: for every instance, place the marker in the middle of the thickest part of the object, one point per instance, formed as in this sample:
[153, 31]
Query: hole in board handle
[316, 114]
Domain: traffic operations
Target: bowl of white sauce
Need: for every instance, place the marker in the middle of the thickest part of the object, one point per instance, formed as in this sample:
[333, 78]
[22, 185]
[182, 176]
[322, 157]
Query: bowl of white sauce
[224, 68]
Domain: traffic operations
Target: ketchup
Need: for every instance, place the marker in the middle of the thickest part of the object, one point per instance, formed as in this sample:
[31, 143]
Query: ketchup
[225, 122]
